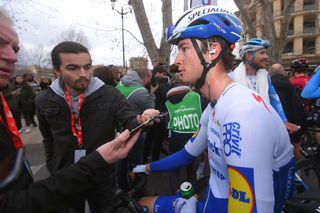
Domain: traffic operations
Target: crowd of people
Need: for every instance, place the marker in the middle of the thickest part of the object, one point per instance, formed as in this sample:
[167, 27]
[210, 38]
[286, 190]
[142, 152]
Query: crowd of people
[246, 121]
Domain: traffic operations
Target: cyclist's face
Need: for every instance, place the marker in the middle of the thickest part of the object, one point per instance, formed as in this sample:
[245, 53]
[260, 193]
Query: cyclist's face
[189, 66]
[261, 59]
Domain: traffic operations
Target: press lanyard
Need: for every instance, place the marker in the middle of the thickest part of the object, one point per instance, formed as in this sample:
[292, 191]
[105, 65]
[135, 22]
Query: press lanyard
[76, 132]
[11, 124]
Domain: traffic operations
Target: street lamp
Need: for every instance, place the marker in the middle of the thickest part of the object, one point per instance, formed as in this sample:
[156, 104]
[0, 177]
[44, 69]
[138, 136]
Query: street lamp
[122, 13]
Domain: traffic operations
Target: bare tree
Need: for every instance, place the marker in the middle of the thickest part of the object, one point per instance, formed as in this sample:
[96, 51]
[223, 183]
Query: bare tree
[247, 19]
[37, 57]
[76, 36]
[278, 39]
[156, 54]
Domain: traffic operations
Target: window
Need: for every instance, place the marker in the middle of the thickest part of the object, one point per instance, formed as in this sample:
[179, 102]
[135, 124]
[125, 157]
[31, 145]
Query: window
[308, 5]
[289, 47]
[308, 45]
[309, 24]
[290, 29]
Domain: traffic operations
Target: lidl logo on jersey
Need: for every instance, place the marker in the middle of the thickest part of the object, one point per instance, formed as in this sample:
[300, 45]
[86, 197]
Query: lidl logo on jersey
[241, 195]
[232, 139]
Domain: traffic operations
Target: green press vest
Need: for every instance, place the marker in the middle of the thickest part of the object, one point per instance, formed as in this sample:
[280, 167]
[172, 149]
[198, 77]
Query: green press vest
[185, 115]
[127, 90]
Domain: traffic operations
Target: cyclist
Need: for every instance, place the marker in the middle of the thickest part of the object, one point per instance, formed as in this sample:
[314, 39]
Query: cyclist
[299, 77]
[250, 155]
[312, 91]
[251, 73]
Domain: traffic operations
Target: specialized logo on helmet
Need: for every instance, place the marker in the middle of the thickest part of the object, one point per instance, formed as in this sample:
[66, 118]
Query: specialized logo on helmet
[241, 192]
[204, 11]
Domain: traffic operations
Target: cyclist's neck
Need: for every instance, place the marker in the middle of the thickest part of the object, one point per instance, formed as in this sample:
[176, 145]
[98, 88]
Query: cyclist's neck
[250, 70]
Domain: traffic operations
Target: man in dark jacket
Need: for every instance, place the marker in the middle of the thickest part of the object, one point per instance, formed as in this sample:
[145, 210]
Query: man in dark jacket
[77, 114]
[158, 132]
[291, 102]
[58, 192]
[134, 87]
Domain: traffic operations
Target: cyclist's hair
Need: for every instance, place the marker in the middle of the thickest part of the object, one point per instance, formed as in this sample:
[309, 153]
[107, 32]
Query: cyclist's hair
[66, 47]
[227, 56]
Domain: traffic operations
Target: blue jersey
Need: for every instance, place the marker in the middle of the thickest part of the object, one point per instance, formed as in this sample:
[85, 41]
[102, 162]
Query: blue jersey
[249, 150]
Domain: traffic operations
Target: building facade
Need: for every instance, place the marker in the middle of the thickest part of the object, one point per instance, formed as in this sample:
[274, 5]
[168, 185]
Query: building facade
[138, 63]
[304, 32]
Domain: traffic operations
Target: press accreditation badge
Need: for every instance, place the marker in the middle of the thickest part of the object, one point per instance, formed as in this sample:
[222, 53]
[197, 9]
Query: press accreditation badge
[79, 153]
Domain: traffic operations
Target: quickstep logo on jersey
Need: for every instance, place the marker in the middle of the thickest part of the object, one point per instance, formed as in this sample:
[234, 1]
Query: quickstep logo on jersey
[232, 139]
[241, 197]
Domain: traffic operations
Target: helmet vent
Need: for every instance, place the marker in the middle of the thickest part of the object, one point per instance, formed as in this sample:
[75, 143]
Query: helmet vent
[199, 22]
[225, 21]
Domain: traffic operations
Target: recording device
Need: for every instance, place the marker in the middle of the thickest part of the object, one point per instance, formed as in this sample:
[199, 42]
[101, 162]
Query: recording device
[163, 115]
[155, 80]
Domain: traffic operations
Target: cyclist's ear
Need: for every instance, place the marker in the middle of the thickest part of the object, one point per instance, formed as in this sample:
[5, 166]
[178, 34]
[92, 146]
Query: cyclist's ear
[214, 50]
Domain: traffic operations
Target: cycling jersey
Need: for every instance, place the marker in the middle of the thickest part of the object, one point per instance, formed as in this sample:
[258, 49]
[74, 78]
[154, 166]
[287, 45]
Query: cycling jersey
[273, 96]
[312, 89]
[249, 151]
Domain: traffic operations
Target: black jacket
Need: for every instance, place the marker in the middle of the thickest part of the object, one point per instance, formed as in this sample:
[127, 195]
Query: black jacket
[57, 192]
[290, 100]
[8, 151]
[99, 114]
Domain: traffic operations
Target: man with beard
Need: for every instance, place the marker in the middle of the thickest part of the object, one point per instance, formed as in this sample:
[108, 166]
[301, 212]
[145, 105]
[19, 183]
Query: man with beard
[252, 73]
[77, 114]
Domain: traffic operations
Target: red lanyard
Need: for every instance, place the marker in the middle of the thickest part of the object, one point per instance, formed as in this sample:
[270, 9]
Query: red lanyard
[76, 133]
[11, 124]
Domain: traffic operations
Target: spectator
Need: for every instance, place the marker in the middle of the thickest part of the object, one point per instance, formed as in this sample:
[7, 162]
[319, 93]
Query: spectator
[57, 192]
[291, 102]
[133, 87]
[116, 73]
[12, 96]
[44, 84]
[158, 133]
[28, 77]
[27, 105]
[185, 109]
[105, 75]
[77, 114]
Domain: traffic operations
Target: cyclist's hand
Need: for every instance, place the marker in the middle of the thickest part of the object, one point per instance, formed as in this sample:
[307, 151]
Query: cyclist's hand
[140, 169]
[291, 127]
[182, 205]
